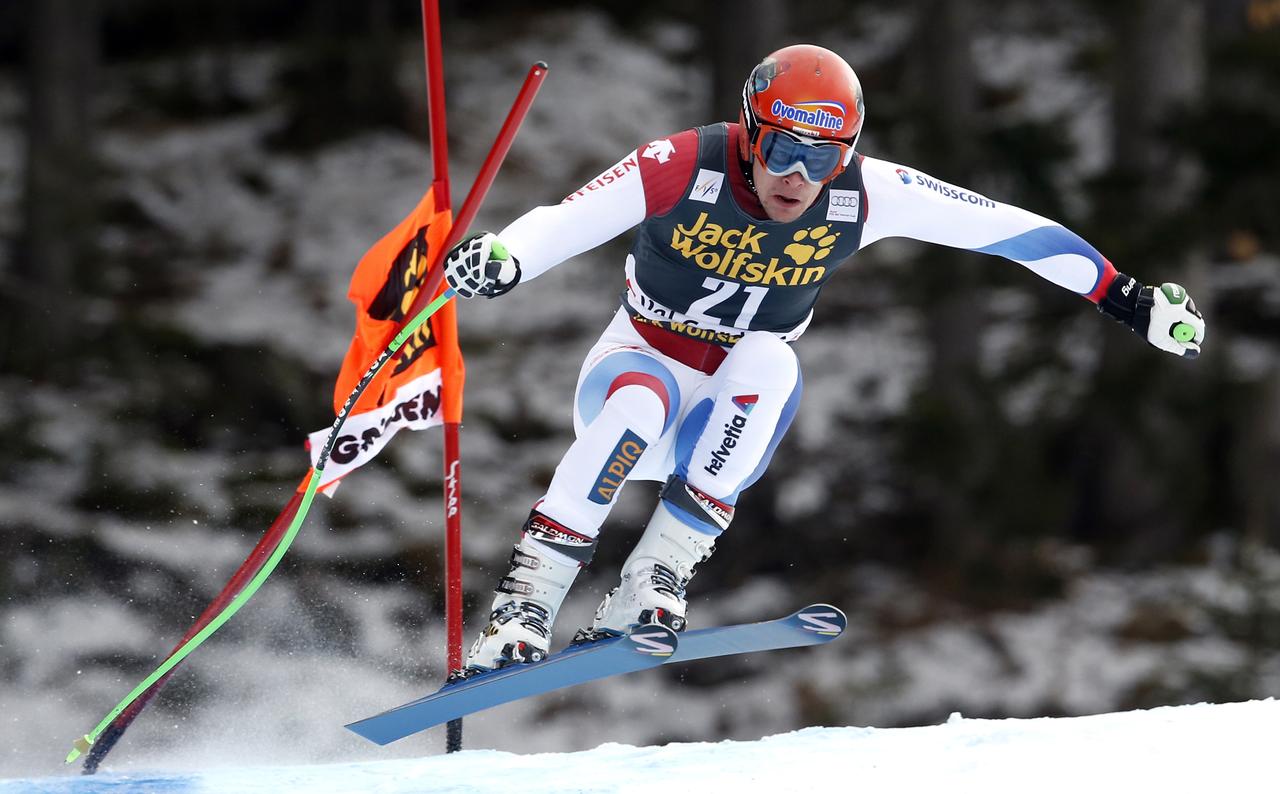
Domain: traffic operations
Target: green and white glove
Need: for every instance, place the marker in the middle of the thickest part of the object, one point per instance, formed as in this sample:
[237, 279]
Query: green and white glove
[481, 265]
[1174, 324]
[1165, 316]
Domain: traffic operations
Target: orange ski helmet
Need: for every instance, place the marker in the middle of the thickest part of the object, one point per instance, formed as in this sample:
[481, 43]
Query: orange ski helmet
[802, 111]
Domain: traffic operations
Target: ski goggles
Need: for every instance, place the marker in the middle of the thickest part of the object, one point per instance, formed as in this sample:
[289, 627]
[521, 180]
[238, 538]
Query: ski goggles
[784, 153]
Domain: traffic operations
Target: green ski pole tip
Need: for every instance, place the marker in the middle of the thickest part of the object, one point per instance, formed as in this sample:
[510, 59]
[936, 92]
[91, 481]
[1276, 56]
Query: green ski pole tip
[79, 746]
[1183, 332]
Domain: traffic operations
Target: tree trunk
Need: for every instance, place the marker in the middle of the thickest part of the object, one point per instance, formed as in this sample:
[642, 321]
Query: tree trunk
[948, 112]
[57, 245]
[1128, 471]
[738, 36]
[951, 403]
[1159, 72]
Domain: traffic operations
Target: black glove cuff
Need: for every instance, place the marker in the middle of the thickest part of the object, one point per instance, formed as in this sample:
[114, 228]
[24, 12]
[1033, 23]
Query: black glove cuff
[1128, 301]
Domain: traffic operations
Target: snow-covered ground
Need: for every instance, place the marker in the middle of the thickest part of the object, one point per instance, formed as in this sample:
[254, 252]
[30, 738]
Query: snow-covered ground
[1170, 750]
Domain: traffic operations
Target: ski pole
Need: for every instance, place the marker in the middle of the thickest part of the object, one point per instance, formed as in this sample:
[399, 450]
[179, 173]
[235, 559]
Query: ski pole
[251, 565]
[83, 744]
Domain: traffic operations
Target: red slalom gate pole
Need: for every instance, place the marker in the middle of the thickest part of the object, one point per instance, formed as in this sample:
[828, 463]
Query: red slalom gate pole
[433, 54]
[470, 206]
[475, 197]
[453, 567]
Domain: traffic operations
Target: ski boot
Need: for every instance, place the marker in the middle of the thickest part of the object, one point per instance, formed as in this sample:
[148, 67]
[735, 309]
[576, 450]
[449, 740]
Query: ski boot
[543, 566]
[656, 574]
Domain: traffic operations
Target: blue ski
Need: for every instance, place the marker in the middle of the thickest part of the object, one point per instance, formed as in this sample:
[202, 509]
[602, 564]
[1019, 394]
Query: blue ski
[813, 625]
[644, 647]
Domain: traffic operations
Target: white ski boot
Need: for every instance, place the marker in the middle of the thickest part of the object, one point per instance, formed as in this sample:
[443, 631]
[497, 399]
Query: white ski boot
[527, 599]
[656, 574]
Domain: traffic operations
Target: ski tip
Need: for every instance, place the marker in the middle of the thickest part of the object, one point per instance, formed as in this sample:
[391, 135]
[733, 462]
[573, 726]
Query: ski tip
[653, 640]
[823, 619]
[79, 746]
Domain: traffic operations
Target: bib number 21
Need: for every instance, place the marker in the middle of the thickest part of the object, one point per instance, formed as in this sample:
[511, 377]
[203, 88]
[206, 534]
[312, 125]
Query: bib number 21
[721, 291]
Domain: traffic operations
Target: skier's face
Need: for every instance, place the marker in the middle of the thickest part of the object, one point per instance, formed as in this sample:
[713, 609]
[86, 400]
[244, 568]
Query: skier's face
[784, 198]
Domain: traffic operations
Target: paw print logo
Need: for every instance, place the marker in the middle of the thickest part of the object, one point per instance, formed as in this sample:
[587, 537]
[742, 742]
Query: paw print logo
[811, 244]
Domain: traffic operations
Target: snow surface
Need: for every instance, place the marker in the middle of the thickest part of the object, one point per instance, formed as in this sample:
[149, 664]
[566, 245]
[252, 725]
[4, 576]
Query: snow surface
[1172, 749]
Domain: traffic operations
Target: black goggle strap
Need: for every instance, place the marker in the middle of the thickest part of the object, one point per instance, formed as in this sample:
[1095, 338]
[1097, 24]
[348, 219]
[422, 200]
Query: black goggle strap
[749, 116]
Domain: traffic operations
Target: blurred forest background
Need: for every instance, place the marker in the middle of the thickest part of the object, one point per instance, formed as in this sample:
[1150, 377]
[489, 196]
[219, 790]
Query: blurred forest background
[988, 476]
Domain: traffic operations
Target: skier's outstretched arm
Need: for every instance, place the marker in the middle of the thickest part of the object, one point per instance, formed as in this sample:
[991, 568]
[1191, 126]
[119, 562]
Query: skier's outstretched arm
[646, 182]
[591, 216]
[903, 202]
[491, 265]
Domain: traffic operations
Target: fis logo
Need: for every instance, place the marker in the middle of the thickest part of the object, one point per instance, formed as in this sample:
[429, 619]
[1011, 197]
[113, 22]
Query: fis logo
[615, 471]
[706, 188]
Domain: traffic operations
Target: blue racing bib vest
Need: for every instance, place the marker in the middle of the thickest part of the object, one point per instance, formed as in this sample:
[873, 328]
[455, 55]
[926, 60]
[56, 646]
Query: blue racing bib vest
[709, 266]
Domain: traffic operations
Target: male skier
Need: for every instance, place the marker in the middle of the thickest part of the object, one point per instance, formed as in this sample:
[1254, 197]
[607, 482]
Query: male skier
[694, 381]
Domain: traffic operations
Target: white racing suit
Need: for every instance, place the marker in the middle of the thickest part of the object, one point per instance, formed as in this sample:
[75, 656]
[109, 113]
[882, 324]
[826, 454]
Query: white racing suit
[694, 381]
[711, 278]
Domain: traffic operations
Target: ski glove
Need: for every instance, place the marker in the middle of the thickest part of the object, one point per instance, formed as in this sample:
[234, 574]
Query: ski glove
[1165, 316]
[481, 265]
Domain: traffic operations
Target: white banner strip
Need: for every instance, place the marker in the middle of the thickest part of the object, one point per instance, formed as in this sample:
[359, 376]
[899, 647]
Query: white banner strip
[416, 406]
